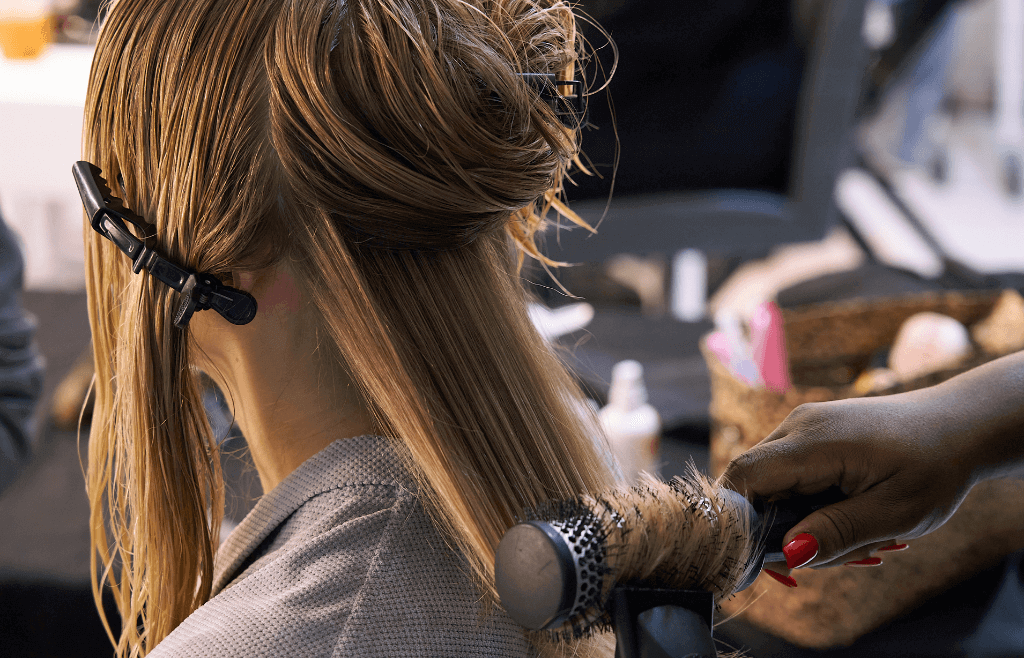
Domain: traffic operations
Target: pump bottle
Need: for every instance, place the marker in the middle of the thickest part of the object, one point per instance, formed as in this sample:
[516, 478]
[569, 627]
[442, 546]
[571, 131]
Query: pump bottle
[632, 426]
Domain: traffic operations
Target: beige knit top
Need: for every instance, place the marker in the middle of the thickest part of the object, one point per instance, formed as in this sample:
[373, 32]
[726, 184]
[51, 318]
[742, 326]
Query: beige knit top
[340, 559]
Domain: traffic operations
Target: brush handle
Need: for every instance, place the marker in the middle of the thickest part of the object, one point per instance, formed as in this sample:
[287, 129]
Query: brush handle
[782, 515]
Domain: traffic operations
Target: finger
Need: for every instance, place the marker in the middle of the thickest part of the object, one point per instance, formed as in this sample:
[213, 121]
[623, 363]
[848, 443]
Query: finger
[737, 472]
[879, 549]
[791, 465]
[867, 562]
[861, 558]
[863, 555]
[783, 429]
[780, 573]
[840, 529]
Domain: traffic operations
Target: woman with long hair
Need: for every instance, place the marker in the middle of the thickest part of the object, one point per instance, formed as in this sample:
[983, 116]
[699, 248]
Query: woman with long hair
[372, 173]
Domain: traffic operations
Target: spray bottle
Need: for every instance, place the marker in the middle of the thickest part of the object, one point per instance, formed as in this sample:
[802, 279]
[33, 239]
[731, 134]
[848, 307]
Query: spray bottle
[632, 426]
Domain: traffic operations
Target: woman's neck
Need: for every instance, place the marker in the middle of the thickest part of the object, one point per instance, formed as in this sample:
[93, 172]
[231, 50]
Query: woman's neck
[288, 398]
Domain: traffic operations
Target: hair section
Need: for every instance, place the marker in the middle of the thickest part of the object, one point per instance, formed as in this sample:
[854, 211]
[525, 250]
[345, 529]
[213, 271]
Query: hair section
[390, 150]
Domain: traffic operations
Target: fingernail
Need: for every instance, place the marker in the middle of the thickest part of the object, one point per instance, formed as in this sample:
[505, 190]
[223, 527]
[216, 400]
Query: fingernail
[785, 580]
[869, 562]
[801, 550]
[894, 547]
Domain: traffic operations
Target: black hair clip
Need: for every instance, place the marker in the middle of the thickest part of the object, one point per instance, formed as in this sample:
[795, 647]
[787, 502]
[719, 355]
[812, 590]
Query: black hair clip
[199, 291]
[571, 109]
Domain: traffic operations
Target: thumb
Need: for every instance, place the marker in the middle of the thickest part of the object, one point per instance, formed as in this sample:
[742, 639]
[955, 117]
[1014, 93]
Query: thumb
[838, 530]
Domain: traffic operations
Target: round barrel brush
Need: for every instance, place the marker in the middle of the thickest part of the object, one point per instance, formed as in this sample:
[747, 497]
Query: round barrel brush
[671, 551]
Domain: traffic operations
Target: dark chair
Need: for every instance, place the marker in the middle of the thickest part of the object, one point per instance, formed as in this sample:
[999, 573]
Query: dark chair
[748, 223]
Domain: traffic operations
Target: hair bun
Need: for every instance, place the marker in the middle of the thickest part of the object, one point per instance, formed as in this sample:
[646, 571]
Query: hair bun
[409, 121]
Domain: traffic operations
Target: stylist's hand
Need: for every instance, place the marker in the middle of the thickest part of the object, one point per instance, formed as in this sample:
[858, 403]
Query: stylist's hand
[904, 470]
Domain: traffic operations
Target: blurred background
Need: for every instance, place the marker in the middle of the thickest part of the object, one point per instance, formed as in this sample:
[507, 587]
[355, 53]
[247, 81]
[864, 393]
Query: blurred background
[758, 163]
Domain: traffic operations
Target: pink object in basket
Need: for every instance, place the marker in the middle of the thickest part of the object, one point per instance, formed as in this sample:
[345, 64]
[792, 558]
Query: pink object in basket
[718, 343]
[733, 350]
[768, 340]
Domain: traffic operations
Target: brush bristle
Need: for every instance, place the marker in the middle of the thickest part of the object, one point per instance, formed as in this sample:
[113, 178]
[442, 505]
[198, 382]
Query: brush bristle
[675, 535]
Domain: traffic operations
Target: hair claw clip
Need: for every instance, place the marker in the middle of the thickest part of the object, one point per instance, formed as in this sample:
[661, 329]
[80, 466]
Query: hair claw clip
[199, 291]
[571, 109]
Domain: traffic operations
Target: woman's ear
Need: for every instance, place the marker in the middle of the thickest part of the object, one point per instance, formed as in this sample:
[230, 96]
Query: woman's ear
[242, 280]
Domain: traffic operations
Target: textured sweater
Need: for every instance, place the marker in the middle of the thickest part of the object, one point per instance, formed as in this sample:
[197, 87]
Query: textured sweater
[340, 559]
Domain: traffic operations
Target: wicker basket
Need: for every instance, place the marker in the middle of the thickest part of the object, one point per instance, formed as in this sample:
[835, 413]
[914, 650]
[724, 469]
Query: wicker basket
[829, 344]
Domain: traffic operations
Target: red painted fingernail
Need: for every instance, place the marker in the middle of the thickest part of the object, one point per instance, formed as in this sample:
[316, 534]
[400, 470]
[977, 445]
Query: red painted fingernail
[869, 562]
[785, 580]
[894, 547]
[801, 550]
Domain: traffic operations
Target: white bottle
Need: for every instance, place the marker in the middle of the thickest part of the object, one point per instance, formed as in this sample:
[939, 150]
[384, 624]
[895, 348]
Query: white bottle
[632, 426]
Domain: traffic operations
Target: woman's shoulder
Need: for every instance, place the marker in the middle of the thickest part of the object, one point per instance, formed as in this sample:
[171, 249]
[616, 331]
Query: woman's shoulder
[357, 568]
[353, 483]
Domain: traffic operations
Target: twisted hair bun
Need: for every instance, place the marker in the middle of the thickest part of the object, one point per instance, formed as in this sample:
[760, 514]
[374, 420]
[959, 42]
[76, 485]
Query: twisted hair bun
[408, 121]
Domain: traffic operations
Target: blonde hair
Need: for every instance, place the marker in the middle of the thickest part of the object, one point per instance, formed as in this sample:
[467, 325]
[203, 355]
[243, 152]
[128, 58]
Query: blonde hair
[390, 149]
